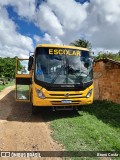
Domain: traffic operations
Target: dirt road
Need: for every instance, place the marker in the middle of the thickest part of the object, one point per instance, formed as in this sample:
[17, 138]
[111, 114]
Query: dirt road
[21, 131]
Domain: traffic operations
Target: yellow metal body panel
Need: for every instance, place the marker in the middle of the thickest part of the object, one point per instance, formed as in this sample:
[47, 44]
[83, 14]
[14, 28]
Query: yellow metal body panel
[61, 46]
[54, 98]
[23, 75]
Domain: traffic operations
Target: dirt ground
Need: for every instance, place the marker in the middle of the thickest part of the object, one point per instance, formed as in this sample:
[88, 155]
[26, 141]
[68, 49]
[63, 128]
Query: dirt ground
[20, 130]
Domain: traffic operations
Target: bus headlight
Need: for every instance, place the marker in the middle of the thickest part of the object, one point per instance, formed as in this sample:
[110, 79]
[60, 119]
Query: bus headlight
[40, 94]
[89, 93]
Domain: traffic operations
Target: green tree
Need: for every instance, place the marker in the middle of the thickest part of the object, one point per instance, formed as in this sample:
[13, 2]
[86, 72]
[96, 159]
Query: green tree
[7, 67]
[104, 55]
[82, 43]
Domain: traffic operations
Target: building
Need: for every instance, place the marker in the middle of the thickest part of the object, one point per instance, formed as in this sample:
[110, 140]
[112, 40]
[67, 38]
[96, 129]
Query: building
[107, 80]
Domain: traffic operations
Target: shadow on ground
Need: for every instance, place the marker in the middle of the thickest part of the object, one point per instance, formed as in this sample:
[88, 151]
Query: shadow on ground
[21, 111]
[11, 110]
[106, 111]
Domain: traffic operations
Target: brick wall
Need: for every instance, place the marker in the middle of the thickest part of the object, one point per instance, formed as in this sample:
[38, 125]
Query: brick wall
[107, 81]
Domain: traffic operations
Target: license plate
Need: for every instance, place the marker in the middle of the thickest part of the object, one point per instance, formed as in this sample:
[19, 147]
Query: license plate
[66, 101]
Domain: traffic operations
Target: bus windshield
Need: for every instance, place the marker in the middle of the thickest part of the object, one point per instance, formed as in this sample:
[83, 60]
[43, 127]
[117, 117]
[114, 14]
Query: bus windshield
[63, 66]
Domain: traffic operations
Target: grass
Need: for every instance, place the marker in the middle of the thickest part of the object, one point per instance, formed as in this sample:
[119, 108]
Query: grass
[6, 85]
[94, 128]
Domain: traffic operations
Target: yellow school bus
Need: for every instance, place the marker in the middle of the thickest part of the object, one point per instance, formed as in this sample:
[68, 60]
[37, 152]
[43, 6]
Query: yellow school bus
[57, 76]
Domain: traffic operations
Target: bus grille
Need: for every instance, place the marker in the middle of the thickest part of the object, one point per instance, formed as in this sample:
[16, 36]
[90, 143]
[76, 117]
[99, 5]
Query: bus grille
[57, 103]
[65, 96]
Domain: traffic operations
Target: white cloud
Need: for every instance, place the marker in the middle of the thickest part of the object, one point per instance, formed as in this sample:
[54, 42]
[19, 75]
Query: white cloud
[37, 39]
[12, 43]
[47, 39]
[47, 21]
[98, 21]
[104, 24]
[50, 39]
[70, 13]
[8, 51]
[24, 8]
[63, 21]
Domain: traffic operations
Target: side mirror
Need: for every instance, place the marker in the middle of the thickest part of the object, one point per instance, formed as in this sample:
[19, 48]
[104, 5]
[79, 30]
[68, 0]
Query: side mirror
[30, 63]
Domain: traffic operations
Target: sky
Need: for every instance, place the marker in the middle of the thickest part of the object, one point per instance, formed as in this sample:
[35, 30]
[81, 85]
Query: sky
[26, 23]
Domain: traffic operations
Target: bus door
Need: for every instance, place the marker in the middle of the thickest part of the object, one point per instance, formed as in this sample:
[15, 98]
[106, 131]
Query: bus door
[23, 80]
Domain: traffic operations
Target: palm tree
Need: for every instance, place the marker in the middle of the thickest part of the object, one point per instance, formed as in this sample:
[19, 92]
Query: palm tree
[82, 43]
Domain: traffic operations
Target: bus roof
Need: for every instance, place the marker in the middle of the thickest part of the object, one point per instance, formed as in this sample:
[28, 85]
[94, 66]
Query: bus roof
[61, 46]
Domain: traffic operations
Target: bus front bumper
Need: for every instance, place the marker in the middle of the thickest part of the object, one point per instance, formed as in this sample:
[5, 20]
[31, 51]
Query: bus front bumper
[62, 102]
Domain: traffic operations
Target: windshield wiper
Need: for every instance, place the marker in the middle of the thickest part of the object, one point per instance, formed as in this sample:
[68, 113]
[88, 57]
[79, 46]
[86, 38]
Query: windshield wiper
[70, 70]
[57, 75]
[73, 71]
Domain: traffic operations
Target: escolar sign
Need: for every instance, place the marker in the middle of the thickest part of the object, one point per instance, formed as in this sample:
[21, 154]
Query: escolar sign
[64, 51]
